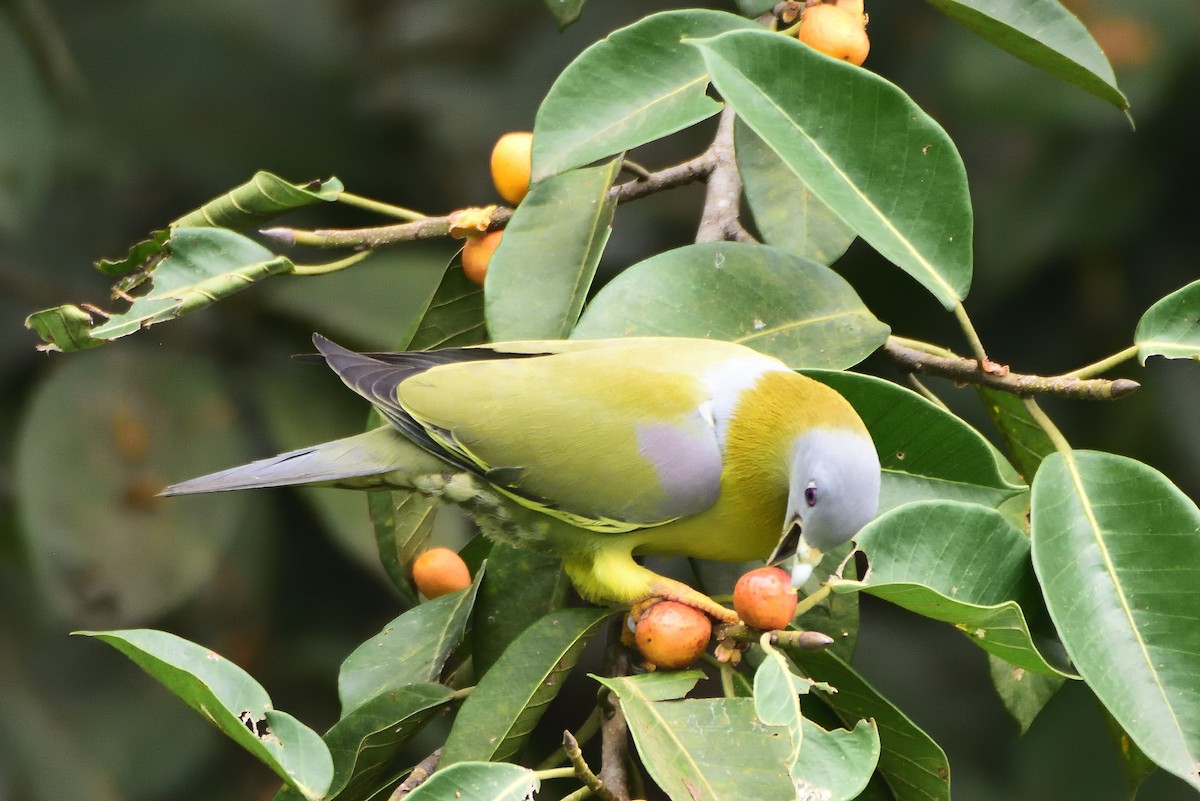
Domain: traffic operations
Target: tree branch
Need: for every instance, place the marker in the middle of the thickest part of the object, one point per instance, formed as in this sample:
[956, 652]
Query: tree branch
[614, 730]
[964, 370]
[722, 201]
[582, 771]
[691, 171]
[417, 776]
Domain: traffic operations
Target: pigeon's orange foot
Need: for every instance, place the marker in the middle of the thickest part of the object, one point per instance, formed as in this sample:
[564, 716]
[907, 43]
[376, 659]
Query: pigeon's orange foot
[665, 589]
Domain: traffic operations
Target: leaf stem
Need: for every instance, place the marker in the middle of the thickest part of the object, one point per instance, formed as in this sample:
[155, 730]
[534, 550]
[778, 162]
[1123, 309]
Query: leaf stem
[1047, 425]
[968, 328]
[380, 207]
[1106, 364]
[330, 267]
[555, 773]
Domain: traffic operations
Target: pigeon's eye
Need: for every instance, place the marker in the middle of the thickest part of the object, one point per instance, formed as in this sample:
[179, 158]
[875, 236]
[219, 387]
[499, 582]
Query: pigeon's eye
[810, 493]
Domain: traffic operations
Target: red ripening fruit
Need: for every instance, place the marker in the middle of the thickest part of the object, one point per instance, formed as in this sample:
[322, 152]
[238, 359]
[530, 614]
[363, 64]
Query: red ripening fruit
[835, 32]
[439, 571]
[764, 598]
[477, 254]
[672, 635]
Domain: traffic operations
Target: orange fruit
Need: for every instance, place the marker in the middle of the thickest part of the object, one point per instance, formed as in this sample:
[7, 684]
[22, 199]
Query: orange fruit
[439, 571]
[672, 635]
[764, 598]
[477, 253]
[512, 163]
[835, 32]
[854, 8]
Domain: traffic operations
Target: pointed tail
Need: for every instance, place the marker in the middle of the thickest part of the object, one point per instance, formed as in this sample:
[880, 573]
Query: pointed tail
[381, 457]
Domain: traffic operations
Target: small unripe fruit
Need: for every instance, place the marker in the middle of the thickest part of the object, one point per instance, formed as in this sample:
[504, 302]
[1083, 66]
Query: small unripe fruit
[512, 163]
[835, 32]
[672, 635]
[439, 571]
[764, 598]
[477, 253]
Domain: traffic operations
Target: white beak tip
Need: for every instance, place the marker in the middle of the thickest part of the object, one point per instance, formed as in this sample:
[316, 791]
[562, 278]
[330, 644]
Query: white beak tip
[801, 572]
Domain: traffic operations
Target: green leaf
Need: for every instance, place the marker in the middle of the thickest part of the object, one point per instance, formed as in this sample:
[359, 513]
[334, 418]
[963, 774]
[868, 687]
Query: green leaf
[498, 717]
[786, 212]
[1023, 692]
[203, 265]
[777, 693]
[521, 587]
[539, 276]
[836, 765]
[638, 84]
[1113, 545]
[454, 317]
[1045, 34]
[366, 743]
[959, 563]
[89, 503]
[784, 305]
[565, 11]
[1027, 443]
[925, 451]
[1171, 327]
[264, 197]
[403, 520]
[863, 147]
[706, 748]
[912, 764]
[233, 702]
[412, 648]
[478, 781]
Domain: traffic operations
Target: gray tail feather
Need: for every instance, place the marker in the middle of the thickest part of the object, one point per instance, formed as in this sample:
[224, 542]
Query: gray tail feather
[374, 452]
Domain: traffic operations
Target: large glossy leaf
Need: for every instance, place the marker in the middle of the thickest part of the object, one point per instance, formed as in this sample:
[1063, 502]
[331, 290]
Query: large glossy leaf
[786, 212]
[104, 433]
[784, 305]
[366, 743]
[521, 587]
[231, 700]
[913, 765]
[498, 717]
[638, 84]
[203, 265]
[478, 781]
[1045, 34]
[1114, 546]
[959, 563]
[925, 451]
[1171, 327]
[412, 648]
[539, 276]
[702, 748]
[863, 147]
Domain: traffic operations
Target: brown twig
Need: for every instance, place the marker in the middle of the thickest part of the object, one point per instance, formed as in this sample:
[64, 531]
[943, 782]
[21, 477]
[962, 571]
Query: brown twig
[690, 171]
[801, 640]
[417, 776]
[722, 201]
[614, 730]
[966, 371]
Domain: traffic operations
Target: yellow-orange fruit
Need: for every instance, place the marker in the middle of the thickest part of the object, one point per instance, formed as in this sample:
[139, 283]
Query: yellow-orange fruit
[764, 598]
[439, 571]
[854, 8]
[835, 32]
[672, 635]
[477, 253]
[512, 163]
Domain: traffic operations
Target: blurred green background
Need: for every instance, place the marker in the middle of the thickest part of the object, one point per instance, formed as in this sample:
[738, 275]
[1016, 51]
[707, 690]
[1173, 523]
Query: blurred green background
[117, 117]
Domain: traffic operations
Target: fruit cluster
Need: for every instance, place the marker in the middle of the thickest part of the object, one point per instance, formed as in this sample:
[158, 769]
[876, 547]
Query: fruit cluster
[512, 163]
